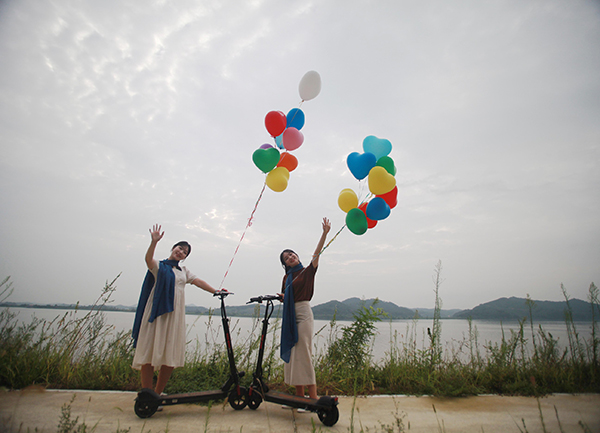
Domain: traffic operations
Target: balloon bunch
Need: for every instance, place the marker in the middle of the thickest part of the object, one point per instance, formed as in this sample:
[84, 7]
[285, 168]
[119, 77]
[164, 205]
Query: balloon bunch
[285, 130]
[380, 170]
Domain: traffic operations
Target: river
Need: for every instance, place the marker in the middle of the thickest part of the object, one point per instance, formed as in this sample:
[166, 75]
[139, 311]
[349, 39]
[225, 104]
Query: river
[454, 332]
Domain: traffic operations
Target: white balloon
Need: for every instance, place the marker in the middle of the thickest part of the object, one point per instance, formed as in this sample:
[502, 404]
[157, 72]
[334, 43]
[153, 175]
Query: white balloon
[310, 85]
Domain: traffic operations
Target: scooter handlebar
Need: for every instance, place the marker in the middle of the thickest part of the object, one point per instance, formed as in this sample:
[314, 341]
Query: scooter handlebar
[260, 299]
[223, 293]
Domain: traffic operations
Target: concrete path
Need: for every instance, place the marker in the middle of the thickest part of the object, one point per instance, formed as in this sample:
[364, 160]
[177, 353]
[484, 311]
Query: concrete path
[112, 412]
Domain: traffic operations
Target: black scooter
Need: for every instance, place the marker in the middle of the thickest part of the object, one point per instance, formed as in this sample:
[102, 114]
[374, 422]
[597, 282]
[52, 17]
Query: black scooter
[148, 401]
[325, 407]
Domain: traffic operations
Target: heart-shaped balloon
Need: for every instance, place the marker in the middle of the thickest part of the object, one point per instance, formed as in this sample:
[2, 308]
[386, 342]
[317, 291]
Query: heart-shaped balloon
[278, 179]
[377, 146]
[292, 139]
[279, 141]
[356, 220]
[266, 159]
[380, 181]
[347, 200]
[391, 198]
[370, 223]
[288, 161]
[360, 164]
[387, 163]
[378, 209]
[275, 122]
[295, 118]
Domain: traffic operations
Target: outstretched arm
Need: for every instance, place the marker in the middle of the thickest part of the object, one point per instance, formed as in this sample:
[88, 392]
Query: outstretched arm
[317, 254]
[204, 285]
[155, 235]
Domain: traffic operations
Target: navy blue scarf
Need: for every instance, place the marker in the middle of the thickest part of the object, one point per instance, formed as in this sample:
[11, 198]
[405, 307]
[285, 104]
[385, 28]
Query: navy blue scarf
[289, 328]
[164, 295]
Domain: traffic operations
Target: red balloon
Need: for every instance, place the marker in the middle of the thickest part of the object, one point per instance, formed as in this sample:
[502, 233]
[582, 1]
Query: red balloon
[370, 223]
[288, 161]
[391, 198]
[275, 121]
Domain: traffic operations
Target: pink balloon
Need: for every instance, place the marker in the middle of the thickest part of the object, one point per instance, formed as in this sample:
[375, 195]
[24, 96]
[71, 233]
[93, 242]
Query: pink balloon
[292, 139]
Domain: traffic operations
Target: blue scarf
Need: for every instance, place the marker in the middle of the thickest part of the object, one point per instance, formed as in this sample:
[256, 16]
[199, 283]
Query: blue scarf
[164, 295]
[289, 328]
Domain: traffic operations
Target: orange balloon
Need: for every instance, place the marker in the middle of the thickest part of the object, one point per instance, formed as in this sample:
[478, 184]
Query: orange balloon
[288, 161]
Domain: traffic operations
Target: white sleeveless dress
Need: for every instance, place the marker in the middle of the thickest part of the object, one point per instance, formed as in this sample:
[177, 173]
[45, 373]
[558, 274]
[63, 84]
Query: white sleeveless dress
[162, 342]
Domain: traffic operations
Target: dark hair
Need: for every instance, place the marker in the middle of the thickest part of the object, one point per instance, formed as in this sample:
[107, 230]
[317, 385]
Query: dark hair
[283, 261]
[183, 244]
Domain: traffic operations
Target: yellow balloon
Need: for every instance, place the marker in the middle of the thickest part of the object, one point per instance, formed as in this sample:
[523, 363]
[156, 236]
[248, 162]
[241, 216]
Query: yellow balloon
[347, 200]
[277, 179]
[380, 181]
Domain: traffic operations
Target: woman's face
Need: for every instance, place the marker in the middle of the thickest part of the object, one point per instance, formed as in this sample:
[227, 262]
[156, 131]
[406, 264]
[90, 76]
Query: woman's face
[180, 252]
[290, 259]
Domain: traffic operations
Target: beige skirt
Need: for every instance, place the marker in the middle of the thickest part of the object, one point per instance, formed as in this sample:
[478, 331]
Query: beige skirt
[162, 342]
[300, 371]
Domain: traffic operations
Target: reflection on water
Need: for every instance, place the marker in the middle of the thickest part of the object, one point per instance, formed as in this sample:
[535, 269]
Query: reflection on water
[400, 333]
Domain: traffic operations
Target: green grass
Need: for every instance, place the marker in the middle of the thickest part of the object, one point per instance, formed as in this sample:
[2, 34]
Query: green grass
[84, 353]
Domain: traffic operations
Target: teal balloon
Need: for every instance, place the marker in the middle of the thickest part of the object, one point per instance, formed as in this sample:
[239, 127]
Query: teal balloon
[295, 118]
[279, 141]
[356, 221]
[377, 146]
[387, 163]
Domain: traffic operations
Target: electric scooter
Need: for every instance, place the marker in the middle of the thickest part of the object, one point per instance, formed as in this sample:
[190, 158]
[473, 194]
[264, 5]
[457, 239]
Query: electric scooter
[148, 401]
[325, 407]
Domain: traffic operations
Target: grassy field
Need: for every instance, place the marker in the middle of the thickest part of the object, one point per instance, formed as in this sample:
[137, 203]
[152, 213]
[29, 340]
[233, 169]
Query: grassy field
[83, 353]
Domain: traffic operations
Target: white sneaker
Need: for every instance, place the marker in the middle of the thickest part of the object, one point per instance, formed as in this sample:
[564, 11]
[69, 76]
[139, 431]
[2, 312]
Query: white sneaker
[302, 410]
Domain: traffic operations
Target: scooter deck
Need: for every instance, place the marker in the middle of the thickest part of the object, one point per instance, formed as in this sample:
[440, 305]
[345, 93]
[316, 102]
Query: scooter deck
[297, 401]
[192, 397]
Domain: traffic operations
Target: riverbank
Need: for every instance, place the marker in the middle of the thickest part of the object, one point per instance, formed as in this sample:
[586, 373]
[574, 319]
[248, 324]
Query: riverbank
[111, 412]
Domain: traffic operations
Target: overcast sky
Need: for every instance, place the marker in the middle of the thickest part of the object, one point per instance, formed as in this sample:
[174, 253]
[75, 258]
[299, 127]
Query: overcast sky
[115, 115]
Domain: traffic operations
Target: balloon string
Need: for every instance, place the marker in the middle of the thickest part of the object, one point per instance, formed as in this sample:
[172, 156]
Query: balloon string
[321, 252]
[243, 234]
[332, 239]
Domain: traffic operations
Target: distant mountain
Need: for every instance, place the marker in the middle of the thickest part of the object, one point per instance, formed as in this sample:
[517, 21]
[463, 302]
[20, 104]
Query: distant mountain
[427, 313]
[517, 309]
[501, 309]
[345, 310]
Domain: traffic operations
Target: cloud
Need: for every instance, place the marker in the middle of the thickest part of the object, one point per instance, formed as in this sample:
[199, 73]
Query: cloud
[116, 116]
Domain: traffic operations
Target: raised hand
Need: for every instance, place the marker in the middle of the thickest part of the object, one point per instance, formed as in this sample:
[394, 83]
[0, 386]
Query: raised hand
[326, 225]
[155, 233]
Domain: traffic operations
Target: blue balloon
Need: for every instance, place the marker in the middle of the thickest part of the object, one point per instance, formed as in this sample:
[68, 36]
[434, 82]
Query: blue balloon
[360, 164]
[295, 118]
[378, 209]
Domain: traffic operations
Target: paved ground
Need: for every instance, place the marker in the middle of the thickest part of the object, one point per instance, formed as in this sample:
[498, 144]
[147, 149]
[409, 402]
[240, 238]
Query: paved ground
[112, 412]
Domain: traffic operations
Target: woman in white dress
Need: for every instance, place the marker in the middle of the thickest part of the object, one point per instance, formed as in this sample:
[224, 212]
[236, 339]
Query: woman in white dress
[159, 327]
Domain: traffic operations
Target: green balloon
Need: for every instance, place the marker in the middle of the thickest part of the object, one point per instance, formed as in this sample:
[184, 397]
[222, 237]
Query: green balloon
[356, 220]
[266, 159]
[387, 163]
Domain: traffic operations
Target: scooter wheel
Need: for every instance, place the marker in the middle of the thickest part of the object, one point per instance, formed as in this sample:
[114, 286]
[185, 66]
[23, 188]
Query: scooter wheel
[329, 417]
[254, 400]
[145, 408]
[238, 398]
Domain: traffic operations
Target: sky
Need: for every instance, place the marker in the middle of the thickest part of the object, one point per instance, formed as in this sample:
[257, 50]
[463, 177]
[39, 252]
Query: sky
[117, 115]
